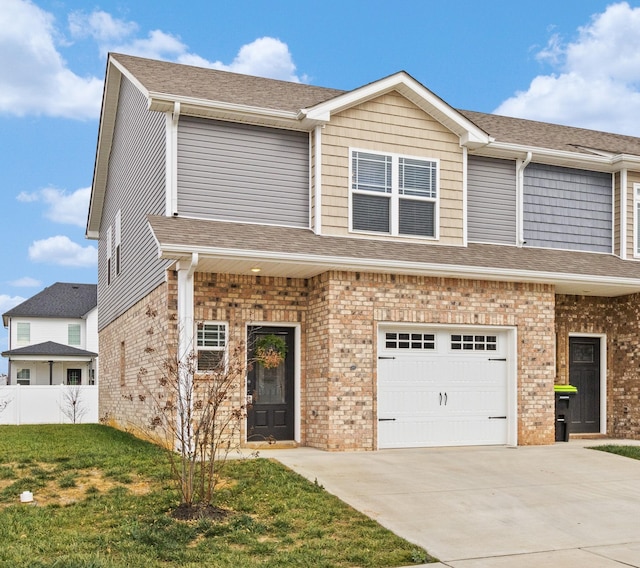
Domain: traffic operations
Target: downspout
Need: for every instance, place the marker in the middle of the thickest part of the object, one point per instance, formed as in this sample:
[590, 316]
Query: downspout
[520, 167]
[186, 330]
[171, 161]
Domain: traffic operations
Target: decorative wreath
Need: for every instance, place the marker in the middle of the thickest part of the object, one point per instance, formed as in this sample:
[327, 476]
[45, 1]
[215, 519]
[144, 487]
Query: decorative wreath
[270, 350]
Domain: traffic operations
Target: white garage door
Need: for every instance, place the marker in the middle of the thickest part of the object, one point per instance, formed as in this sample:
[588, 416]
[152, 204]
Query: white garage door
[442, 387]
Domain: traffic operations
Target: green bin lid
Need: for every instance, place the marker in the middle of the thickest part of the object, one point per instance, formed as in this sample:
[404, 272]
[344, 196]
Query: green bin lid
[565, 388]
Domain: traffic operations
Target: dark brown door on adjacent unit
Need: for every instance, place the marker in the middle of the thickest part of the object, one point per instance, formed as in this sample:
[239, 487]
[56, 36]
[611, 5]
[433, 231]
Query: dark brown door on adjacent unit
[271, 391]
[584, 373]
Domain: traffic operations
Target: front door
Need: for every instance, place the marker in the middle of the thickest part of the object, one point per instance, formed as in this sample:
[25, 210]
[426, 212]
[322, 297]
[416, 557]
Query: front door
[270, 391]
[584, 373]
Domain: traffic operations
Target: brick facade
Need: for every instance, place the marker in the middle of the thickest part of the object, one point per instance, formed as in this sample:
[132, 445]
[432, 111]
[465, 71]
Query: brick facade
[619, 319]
[338, 315]
[126, 393]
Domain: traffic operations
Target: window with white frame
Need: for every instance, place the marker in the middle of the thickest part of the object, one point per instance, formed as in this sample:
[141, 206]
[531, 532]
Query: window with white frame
[109, 256]
[23, 333]
[211, 344]
[23, 377]
[118, 239]
[73, 334]
[393, 194]
[636, 220]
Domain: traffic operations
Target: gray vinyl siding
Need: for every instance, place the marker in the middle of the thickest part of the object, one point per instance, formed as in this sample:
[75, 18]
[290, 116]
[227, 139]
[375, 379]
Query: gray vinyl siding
[491, 200]
[242, 173]
[136, 187]
[567, 208]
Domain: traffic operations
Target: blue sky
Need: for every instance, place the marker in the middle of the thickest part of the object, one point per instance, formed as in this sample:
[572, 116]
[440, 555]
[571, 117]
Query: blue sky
[574, 62]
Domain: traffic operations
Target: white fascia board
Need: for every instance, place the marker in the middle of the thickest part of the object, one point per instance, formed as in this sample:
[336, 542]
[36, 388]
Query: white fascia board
[419, 268]
[164, 102]
[414, 91]
[105, 139]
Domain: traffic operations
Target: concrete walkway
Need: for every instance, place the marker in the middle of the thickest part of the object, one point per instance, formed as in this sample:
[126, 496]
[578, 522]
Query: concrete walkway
[493, 507]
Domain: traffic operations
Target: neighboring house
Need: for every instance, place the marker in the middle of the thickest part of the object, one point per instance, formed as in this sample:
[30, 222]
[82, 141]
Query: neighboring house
[53, 337]
[433, 271]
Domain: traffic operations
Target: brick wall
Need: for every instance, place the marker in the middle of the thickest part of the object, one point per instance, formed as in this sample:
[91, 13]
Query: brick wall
[619, 319]
[338, 314]
[358, 302]
[126, 393]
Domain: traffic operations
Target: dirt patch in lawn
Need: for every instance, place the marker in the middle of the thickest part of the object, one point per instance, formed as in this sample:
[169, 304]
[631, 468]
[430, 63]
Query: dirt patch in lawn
[55, 487]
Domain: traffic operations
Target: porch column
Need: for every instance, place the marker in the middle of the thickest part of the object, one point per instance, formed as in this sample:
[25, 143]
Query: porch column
[50, 372]
[186, 333]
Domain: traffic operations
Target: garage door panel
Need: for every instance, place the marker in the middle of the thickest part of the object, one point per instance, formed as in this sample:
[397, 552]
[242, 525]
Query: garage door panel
[417, 432]
[444, 397]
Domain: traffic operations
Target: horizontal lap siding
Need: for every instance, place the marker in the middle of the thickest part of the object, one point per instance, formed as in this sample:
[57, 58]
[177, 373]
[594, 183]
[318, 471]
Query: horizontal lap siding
[136, 187]
[491, 200]
[389, 123]
[567, 208]
[243, 173]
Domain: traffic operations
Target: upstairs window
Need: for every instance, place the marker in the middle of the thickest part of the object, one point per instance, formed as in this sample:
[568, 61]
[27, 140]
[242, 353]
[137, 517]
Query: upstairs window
[73, 334]
[394, 195]
[23, 333]
[118, 239]
[212, 344]
[109, 256]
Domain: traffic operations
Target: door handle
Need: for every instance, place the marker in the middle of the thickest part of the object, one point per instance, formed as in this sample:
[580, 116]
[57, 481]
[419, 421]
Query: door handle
[445, 399]
[440, 399]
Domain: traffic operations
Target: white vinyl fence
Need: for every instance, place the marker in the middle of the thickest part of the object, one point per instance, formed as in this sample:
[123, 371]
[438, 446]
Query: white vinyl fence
[56, 404]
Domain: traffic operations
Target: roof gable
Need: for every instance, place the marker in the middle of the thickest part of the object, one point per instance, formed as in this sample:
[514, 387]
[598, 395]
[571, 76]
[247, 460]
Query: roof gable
[470, 134]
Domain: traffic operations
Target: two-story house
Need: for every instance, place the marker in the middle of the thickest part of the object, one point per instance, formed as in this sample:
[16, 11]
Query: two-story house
[53, 337]
[434, 272]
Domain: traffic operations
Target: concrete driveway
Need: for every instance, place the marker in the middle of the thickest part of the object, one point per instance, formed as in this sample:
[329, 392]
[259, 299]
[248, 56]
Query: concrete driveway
[562, 505]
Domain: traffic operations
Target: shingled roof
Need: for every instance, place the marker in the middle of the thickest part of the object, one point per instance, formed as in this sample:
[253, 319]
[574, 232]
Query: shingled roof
[179, 80]
[319, 253]
[60, 300]
[49, 349]
[223, 86]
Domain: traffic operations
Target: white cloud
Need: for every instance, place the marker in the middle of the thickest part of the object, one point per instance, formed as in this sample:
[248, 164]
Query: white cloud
[264, 57]
[8, 302]
[68, 208]
[595, 81]
[61, 250]
[26, 282]
[34, 78]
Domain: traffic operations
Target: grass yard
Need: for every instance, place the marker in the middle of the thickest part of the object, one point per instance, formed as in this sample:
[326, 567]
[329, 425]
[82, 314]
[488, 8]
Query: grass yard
[102, 498]
[626, 451]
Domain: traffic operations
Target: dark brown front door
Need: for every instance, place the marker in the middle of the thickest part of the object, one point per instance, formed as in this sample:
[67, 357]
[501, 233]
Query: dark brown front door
[271, 391]
[584, 373]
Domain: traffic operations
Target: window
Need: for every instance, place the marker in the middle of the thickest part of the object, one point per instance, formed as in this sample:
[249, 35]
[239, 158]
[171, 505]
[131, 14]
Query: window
[123, 364]
[118, 241]
[212, 343]
[73, 334]
[24, 377]
[109, 256]
[23, 333]
[395, 195]
[415, 341]
[474, 342]
[74, 376]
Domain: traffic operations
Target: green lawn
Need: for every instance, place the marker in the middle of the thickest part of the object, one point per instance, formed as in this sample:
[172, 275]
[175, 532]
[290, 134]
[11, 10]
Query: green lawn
[102, 499]
[626, 451]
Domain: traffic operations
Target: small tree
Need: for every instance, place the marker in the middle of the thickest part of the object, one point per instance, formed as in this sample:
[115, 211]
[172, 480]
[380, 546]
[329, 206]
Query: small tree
[196, 416]
[72, 405]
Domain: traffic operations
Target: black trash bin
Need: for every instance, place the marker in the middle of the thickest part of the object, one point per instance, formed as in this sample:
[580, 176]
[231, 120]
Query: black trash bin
[564, 394]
